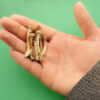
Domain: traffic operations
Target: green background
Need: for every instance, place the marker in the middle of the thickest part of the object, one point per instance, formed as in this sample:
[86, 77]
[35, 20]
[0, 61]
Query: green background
[15, 82]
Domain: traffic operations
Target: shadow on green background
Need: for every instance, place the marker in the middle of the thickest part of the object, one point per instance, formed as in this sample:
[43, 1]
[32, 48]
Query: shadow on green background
[15, 82]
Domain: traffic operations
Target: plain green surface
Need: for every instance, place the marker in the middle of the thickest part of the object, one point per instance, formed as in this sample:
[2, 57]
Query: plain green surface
[15, 82]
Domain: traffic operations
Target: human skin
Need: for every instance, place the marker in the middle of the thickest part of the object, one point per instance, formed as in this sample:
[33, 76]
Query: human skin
[68, 58]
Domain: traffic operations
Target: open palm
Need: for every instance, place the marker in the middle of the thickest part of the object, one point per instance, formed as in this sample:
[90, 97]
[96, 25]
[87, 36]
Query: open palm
[68, 58]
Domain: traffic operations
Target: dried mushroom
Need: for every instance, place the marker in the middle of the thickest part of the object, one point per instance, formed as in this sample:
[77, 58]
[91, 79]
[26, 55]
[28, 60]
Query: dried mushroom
[36, 37]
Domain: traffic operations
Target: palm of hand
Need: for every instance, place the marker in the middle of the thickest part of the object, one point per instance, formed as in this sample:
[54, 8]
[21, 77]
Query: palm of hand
[68, 58]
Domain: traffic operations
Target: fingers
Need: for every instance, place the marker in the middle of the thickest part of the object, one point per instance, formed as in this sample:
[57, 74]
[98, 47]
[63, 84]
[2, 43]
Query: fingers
[14, 27]
[33, 67]
[19, 47]
[50, 32]
[86, 23]
[13, 41]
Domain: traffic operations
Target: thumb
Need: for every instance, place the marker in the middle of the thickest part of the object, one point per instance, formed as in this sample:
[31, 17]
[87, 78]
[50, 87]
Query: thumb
[0, 25]
[86, 23]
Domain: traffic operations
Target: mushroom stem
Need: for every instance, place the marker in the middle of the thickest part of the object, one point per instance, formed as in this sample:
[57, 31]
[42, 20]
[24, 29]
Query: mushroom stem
[30, 36]
[36, 51]
[44, 48]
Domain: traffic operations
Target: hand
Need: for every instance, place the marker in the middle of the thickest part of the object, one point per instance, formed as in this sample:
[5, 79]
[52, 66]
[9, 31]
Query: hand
[68, 58]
